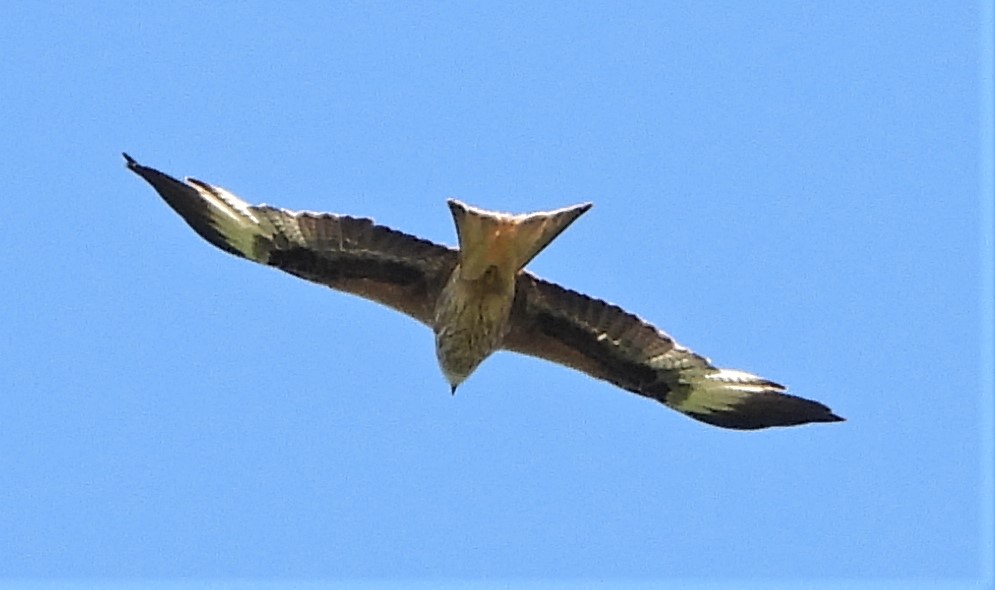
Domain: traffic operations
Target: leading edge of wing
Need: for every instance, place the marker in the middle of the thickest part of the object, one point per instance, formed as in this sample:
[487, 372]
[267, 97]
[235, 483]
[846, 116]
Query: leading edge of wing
[346, 253]
[608, 343]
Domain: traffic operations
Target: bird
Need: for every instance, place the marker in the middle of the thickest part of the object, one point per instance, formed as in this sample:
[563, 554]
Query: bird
[478, 298]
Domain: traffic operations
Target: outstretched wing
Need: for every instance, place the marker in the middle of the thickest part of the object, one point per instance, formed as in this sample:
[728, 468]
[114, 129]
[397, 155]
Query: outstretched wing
[345, 253]
[608, 343]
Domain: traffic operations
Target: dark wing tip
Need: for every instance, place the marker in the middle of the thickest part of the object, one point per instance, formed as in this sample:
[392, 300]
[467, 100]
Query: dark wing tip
[191, 205]
[767, 410]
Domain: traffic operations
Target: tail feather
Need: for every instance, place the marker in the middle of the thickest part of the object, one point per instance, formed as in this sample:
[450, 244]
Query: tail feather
[508, 242]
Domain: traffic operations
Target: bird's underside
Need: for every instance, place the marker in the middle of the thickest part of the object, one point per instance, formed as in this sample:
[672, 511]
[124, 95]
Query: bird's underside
[479, 298]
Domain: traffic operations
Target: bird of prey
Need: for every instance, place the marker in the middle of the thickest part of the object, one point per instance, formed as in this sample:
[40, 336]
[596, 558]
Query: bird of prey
[478, 298]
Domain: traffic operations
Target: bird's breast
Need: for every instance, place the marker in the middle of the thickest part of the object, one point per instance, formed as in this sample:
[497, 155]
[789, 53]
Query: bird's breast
[471, 320]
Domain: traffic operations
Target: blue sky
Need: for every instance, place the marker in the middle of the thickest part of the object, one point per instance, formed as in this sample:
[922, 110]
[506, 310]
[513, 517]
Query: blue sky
[787, 188]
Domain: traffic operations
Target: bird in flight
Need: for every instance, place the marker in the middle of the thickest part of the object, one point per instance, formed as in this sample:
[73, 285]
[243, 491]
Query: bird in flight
[478, 298]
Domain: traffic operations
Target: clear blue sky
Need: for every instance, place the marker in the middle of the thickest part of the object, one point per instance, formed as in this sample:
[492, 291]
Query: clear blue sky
[787, 188]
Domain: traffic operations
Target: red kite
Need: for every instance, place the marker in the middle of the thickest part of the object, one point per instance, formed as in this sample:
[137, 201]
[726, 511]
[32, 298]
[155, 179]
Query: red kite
[479, 299]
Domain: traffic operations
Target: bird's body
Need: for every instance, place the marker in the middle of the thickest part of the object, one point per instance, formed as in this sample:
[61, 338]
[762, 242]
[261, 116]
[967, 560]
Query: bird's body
[473, 311]
[478, 299]
[471, 321]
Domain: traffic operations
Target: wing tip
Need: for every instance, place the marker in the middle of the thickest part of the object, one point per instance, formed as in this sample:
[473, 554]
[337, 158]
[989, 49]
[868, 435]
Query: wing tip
[220, 221]
[831, 417]
[768, 410]
[131, 163]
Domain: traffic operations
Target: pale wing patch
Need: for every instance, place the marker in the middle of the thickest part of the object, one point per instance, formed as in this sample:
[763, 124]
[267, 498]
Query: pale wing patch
[233, 218]
[720, 391]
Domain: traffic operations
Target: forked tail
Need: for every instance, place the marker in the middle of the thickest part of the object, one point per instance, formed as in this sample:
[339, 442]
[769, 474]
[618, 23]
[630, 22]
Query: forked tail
[507, 242]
